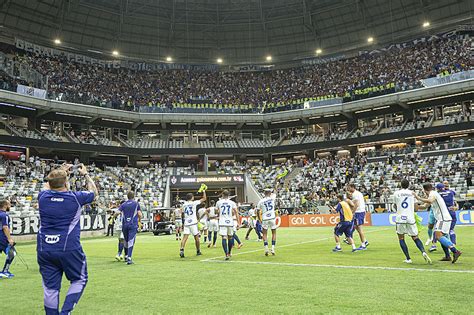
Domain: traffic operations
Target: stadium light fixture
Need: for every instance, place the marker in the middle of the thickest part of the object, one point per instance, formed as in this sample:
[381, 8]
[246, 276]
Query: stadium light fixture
[370, 39]
[115, 53]
[269, 58]
[319, 51]
[169, 59]
[57, 41]
[219, 60]
[426, 24]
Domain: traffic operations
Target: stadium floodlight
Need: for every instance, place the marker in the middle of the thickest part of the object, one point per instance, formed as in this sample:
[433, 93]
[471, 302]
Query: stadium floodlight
[169, 59]
[426, 24]
[319, 51]
[370, 39]
[269, 58]
[219, 60]
[115, 53]
[57, 41]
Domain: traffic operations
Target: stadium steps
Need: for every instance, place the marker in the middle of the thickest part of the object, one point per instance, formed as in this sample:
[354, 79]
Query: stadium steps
[293, 174]
[122, 142]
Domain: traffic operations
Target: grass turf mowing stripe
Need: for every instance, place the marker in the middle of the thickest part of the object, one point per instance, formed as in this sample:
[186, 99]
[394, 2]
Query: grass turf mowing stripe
[289, 245]
[337, 266]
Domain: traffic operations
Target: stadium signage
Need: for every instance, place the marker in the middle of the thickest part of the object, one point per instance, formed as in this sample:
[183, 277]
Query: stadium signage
[386, 219]
[318, 220]
[30, 224]
[194, 180]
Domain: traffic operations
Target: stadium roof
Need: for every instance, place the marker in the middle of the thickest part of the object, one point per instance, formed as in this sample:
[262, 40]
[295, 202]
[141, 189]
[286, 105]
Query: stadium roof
[238, 31]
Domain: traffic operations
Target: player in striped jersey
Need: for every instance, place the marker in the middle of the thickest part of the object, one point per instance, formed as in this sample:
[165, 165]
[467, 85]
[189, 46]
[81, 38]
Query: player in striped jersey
[442, 216]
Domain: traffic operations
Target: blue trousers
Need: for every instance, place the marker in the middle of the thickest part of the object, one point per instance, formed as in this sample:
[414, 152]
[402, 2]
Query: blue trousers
[52, 266]
[129, 235]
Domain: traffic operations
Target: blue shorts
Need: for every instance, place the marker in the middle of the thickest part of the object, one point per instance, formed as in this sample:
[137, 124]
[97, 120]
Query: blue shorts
[53, 264]
[359, 218]
[345, 227]
[431, 220]
[454, 219]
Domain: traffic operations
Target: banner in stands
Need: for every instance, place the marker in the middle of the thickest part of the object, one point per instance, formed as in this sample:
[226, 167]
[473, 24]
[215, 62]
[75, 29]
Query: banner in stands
[442, 79]
[386, 219]
[193, 181]
[134, 65]
[306, 220]
[30, 224]
[31, 91]
[249, 68]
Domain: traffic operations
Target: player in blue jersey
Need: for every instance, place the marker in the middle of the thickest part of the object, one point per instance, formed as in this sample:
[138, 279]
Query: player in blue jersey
[345, 226]
[6, 240]
[59, 248]
[131, 214]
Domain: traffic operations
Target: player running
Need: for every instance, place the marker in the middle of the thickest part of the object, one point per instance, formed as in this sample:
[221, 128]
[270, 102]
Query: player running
[346, 224]
[189, 209]
[359, 214]
[6, 241]
[213, 227]
[405, 220]
[203, 220]
[227, 209]
[178, 222]
[443, 219]
[252, 214]
[131, 214]
[267, 208]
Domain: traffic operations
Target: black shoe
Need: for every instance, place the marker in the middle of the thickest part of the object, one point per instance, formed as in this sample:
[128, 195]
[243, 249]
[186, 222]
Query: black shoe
[181, 253]
[456, 256]
[198, 253]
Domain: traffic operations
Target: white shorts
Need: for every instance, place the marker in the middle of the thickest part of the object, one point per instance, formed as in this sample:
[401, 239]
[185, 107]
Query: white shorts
[226, 230]
[269, 224]
[252, 222]
[442, 226]
[178, 223]
[213, 225]
[205, 224]
[191, 229]
[120, 235]
[407, 228]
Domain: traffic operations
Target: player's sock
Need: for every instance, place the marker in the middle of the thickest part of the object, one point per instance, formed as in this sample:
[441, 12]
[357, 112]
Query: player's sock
[209, 236]
[205, 239]
[353, 245]
[11, 253]
[273, 245]
[224, 246]
[214, 239]
[446, 251]
[265, 245]
[419, 244]
[452, 236]
[120, 248]
[338, 245]
[447, 243]
[404, 247]
[430, 233]
[231, 244]
[236, 237]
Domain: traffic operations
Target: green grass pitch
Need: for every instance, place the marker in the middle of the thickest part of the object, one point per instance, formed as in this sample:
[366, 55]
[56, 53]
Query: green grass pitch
[302, 278]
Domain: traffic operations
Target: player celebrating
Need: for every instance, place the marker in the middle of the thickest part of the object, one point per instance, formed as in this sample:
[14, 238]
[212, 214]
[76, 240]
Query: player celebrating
[189, 209]
[227, 209]
[178, 222]
[6, 240]
[346, 224]
[359, 214]
[405, 220]
[213, 223]
[442, 216]
[252, 222]
[203, 220]
[58, 240]
[267, 208]
[131, 214]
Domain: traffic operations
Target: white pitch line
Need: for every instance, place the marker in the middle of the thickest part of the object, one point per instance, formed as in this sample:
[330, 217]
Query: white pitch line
[337, 266]
[287, 245]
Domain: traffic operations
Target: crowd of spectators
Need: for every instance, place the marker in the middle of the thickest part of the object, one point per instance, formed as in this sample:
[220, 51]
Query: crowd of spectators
[396, 68]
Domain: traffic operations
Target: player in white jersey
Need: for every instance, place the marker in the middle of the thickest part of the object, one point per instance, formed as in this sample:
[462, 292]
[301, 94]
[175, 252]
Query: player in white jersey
[189, 209]
[213, 227]
[405, 220]
[266, 206]
[227, 209]
[203, 222]
[442, 216]
[252, 214]
[359, 214]
[118, 230]
[178, 222]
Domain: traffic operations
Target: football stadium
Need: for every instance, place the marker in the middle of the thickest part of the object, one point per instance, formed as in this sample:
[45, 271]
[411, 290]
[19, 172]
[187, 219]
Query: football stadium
[236, 156]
